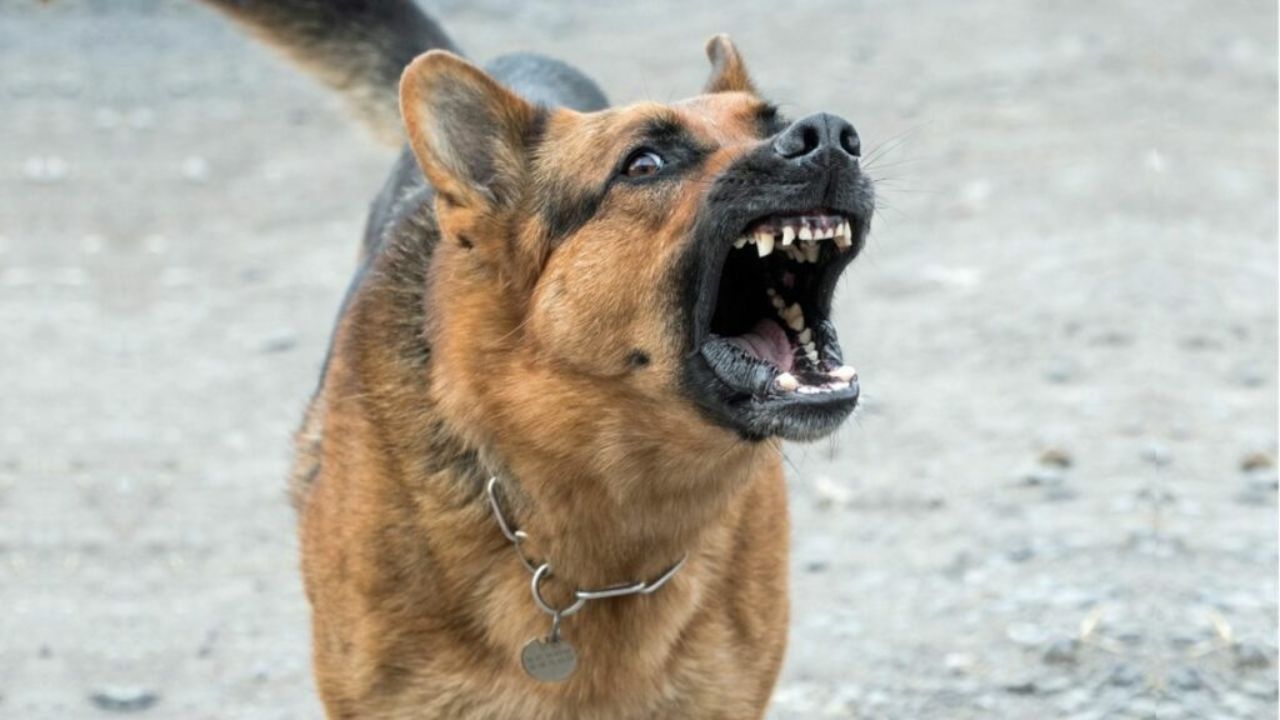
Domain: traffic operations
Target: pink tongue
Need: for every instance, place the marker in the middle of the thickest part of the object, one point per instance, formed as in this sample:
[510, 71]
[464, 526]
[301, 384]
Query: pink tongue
[767, 341]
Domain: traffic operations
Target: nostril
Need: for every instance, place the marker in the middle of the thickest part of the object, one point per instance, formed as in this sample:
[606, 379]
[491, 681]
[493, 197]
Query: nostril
[850, 142]
[809, 135]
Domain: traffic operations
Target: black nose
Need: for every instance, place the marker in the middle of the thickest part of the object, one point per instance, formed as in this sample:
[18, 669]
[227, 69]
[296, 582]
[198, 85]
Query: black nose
[818, 132]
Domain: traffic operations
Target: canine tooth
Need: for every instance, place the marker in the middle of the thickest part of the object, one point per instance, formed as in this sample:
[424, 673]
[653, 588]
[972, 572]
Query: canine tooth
[805, 232]
[787, 382]
[764, 243]
[788, 235]
[794, 316]
[843, 240]
[845, 373]
[806, 337]
[740, 243]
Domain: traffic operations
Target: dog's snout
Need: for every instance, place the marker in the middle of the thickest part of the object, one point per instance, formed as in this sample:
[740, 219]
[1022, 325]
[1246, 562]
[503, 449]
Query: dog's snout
[816, 133]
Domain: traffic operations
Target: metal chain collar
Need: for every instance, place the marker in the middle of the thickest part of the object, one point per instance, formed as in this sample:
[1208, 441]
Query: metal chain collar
[542, 570]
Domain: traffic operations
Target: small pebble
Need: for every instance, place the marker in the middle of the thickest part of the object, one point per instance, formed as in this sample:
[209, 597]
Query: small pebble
[1257, 461]
[1252, 376]
[1124, 675]
[1157, 455]
[1021, 687]
[280, 342]
[958, 662]
[1054, 684]
[1041, 476]
[1060, 371]
[1250, 656]
[1063, 651]
[1185, 678]
[1028, 634]
[124, 699]
[830, 493]
[1056, 457]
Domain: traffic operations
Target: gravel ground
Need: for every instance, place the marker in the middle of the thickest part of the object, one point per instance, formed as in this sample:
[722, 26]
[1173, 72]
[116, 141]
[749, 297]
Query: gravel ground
[1058, 501]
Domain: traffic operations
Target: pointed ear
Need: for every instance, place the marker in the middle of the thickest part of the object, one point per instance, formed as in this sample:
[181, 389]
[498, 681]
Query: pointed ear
[467, 131]
[728, 73]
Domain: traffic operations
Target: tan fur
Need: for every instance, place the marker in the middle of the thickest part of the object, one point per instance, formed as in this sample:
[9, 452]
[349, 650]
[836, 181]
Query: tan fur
[487, 351]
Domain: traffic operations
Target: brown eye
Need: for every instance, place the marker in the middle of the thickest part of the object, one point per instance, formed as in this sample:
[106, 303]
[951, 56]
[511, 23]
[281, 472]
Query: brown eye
[643, 163]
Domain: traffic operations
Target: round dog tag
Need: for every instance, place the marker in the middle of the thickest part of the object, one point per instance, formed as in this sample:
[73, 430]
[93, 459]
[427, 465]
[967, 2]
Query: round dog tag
[547, 660]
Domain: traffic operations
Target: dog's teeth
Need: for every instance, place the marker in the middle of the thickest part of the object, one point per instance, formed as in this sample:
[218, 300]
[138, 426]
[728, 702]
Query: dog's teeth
[787, 382]
[809, 348]
[811, 251]
[844, 235]
[794, 316]
[805, 233]
[778, 303]
[788, 235]
[740, 242]
[836, 385]
[812, 355]
[826, 232]
[794, 252]
[845, 373]
[764, 243]
[806, 336]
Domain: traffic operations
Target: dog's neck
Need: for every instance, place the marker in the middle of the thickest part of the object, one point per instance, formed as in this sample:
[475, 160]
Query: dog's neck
[628, 526]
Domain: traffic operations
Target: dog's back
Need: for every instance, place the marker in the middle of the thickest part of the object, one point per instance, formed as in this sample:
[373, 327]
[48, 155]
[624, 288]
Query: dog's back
[360, 48]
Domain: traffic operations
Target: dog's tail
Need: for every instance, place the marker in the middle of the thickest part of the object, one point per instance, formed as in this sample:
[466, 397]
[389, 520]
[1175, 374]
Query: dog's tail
[357, 47]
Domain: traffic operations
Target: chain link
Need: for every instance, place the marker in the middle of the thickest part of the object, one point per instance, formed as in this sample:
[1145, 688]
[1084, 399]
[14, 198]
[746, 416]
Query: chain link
[542, 571]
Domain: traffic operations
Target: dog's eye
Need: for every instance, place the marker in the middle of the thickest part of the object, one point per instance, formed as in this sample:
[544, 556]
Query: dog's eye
[643, 163]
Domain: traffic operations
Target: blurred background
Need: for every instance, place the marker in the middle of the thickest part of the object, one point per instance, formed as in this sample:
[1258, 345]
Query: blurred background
[1058, 501]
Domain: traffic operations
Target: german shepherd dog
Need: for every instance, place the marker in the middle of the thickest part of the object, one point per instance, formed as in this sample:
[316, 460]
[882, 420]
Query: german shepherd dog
[541, 476]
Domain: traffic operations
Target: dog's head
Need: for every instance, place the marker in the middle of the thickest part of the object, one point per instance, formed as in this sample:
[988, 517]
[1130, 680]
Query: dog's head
[664, 268]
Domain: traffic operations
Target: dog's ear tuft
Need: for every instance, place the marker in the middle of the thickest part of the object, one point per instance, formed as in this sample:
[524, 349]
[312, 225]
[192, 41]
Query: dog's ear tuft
[467, 131]
[728, 73]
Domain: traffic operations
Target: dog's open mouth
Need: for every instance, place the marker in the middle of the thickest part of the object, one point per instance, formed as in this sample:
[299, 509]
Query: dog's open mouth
[769, 334]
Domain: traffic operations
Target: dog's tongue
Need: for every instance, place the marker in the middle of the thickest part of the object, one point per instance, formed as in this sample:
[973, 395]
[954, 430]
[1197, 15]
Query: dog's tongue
[767, 341]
